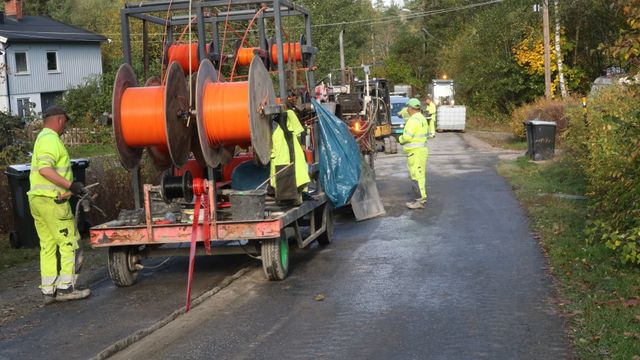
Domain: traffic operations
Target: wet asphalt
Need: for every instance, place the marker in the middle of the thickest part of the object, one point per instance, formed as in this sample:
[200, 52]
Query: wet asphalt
[462, 279]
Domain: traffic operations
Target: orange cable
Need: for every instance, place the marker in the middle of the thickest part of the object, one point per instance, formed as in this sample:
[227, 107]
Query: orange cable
[235, 62]
[224, 38]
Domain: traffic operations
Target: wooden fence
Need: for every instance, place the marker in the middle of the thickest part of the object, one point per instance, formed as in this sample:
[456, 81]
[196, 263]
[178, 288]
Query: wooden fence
[71, 136]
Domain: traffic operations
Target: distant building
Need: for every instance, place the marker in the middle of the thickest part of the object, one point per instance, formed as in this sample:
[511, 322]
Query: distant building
[41, 58]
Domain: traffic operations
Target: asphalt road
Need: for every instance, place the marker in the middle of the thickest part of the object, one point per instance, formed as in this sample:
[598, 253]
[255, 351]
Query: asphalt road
[81, 329]
[461, 279]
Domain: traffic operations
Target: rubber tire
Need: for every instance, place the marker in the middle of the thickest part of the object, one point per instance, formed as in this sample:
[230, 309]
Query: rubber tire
[394, 145]
[14, 240]
[275, 269]
[119, 265]
[326, 237]
[387, 145]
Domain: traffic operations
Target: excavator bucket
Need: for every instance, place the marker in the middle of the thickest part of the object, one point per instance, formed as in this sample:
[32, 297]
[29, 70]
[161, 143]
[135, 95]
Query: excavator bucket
[366, 202]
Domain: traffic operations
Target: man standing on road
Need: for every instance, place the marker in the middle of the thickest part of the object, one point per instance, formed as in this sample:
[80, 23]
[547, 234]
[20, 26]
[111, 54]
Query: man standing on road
[431, 116]
[52, 185]
[414, 141]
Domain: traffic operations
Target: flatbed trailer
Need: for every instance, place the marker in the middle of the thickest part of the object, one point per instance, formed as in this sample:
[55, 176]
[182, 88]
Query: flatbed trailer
[267, 237]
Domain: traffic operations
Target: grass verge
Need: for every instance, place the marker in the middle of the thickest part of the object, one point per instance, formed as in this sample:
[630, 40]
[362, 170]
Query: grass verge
[598, 294]
[90, 150]
[10, 257]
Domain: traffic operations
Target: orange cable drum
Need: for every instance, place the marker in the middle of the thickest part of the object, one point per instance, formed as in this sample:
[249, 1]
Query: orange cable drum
[151, 117]
[226, 113]
[287, 49]
[231, 113]
[180, 53]
[245, 55]
[142, 112]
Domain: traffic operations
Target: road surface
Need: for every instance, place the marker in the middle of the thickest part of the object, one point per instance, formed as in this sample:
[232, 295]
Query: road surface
[461, 279]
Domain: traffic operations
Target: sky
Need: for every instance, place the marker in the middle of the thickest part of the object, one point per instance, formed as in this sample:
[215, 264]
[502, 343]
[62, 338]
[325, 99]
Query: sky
[388, 2]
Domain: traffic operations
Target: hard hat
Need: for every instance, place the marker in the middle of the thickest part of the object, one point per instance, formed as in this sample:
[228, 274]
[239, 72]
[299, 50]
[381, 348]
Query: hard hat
[414, 103]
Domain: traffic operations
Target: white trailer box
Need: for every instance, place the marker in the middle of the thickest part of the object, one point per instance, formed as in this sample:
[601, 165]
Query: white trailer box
[450, 117]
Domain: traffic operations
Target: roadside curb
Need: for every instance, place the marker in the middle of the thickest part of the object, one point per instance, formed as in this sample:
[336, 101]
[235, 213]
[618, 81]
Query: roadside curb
[141, 334]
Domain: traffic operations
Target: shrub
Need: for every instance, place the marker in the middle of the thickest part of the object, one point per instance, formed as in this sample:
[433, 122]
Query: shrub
[606, 144]
[87, 102]
[541, 109]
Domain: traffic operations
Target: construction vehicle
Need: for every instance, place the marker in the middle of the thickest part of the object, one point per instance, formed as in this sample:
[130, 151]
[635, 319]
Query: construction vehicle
[364, 106]
[209, 126]
[449, 116]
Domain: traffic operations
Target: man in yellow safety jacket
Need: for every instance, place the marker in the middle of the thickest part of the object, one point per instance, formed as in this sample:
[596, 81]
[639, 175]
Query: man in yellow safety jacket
[280, 153]
[431, 116]
[414, 141]
[52, 185]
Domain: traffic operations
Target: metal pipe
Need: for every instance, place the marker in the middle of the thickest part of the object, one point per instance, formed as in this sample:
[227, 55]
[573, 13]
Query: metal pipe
[202, 37]
[343, 74]
[126, 45]
[310, 74]
[281, 73]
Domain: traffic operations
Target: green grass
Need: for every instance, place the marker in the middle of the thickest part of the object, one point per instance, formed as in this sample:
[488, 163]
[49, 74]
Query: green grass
[10, 257]
[90, 150]
[597, 292]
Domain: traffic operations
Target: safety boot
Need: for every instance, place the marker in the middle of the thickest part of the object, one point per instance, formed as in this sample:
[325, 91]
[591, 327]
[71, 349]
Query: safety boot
[72, 293]
[414, 205]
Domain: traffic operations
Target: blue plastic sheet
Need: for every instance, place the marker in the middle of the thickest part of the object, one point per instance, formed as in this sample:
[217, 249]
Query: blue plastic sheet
[339, 157]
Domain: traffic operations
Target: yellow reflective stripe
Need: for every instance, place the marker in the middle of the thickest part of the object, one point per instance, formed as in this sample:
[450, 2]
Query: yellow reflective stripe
[59, 169]
[412, 135]
[415, 145]
[46, 158]
[46, 187]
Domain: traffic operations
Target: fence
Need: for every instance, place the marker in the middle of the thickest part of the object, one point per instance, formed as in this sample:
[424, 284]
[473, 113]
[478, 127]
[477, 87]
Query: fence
[71, 136]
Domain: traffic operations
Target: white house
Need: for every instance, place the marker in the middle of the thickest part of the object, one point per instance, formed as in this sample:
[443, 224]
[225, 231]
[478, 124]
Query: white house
[41, 58]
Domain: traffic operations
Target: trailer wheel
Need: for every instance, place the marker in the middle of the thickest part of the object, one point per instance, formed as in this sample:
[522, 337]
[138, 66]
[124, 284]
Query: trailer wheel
[275, 258]
[122, 265]
[326, 237]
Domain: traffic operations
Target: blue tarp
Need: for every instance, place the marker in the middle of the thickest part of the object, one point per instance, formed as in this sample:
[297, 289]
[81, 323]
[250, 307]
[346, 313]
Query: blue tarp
[339, 157]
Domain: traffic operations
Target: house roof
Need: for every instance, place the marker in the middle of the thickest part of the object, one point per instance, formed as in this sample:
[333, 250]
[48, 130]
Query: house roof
[44, 29]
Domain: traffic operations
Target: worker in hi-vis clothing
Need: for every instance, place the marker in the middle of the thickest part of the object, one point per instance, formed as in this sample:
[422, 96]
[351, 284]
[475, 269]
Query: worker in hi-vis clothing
[431, 116]
[52, 185]
[404, 113]
[280, 153]
[414, 142]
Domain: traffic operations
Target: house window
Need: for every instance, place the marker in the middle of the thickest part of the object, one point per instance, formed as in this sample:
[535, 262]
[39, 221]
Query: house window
[24, 107]
[52, 61]
[22, 65]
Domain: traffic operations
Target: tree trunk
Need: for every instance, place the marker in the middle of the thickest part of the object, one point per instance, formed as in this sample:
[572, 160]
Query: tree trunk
[563, 88]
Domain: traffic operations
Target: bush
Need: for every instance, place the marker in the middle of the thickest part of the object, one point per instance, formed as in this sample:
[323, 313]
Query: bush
[13, 148]
[606, 145]
[87, 102]
[541, 109]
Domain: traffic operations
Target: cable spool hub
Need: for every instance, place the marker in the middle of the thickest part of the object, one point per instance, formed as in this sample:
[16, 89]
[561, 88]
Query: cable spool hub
[231, 114]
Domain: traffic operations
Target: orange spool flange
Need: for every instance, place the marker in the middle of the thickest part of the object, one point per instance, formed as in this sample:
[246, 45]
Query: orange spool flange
[151, 117]
[230, 114]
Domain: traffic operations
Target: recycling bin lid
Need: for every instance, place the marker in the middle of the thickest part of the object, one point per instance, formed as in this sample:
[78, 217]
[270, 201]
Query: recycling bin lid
[84, 163]
[540, 122]
[18, 169]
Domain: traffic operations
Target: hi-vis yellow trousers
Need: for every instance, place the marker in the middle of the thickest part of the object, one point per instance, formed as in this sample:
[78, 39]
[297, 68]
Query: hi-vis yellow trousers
[57, 232]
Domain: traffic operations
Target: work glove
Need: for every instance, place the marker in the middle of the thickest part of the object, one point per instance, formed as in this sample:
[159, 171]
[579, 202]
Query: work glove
[77, 189]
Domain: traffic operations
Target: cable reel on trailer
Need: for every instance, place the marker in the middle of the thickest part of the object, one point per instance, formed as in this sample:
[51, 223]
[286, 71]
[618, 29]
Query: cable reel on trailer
[298, 52]
[233, 114]
[244, 55]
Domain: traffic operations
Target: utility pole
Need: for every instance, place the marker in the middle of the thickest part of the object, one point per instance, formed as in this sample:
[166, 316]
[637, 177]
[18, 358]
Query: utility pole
[547, 52]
